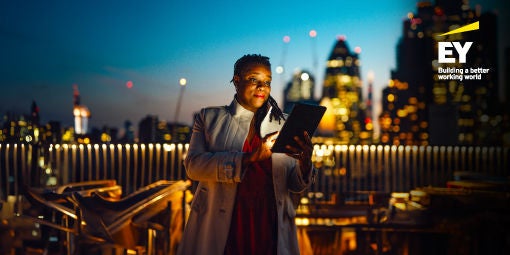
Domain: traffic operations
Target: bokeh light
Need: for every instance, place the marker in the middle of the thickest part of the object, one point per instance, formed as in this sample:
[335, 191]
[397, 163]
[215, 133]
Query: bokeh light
[182, 81]
[279, 69]
[341, 37]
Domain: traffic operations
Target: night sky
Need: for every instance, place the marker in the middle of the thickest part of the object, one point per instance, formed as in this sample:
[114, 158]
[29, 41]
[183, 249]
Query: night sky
[104, 47]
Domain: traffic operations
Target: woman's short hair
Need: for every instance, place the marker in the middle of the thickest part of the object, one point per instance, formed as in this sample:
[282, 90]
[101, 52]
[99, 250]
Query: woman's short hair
[248, 60]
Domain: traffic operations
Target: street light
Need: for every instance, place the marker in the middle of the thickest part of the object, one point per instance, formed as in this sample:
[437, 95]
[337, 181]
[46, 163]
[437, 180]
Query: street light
[182, 82]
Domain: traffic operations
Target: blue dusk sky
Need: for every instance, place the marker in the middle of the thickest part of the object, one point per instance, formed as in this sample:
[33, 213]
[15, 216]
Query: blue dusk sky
[103, 47]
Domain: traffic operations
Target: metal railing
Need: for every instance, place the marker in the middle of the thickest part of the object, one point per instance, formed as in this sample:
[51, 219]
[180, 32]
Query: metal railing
[354, 168]
[343, 168]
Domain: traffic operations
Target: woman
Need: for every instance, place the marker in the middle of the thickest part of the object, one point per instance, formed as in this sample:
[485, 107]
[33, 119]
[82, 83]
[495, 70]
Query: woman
[242, 204]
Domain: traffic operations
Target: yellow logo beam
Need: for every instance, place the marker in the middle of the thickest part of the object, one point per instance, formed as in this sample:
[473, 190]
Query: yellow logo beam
[470, 27]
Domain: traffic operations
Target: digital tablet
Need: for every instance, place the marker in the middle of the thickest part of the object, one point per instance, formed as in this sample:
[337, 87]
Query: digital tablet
[303, 117]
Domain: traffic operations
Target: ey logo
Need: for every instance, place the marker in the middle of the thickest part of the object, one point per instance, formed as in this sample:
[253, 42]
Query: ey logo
[444, 48]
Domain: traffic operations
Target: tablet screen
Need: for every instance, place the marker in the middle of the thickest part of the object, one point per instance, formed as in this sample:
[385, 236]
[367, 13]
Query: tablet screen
[303, 117]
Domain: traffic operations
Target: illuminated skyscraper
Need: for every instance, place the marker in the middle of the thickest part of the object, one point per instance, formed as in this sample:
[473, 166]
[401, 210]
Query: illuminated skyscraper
[81, 114]
[419, 107]
[344, 121]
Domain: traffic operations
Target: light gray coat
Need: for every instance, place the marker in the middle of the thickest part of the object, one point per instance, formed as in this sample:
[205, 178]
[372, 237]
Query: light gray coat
[214, 159]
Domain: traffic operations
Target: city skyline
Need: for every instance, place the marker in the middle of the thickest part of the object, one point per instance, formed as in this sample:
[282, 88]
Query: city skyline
[130, 67]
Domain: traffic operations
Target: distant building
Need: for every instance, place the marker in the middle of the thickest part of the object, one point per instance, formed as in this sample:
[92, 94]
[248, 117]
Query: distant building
[153, 130]
[345, 121]
[369, 104]
[180, 133]
[129, 133]
[22, 127]
[53, 133]
[147, 129]
[34, 116]
[299, 89]
[105, 134]
[81, 114]
[16, 128]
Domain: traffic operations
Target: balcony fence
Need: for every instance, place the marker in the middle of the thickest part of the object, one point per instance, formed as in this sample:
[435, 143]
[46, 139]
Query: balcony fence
[342, 168]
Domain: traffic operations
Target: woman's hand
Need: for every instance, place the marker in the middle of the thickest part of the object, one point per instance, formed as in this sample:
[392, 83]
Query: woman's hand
[262, 152]
[303, 153]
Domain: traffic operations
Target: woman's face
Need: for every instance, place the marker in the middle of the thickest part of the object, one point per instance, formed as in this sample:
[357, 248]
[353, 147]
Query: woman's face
[253, 86]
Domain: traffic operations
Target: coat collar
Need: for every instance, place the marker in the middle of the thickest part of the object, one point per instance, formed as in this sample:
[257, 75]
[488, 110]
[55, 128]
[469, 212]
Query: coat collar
[267, 126]
[237, 110]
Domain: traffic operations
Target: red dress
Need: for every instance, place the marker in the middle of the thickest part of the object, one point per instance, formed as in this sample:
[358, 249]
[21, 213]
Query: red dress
[253, 229]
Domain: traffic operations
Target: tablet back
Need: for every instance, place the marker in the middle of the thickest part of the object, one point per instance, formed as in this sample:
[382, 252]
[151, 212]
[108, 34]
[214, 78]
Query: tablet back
[303, 117]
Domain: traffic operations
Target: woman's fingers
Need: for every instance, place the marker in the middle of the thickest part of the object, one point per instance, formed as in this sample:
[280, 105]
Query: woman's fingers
[270, 139]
